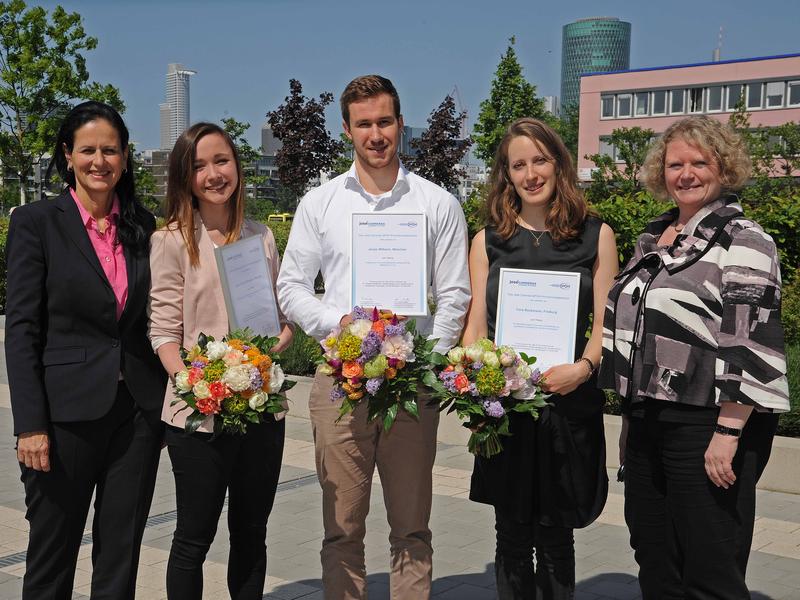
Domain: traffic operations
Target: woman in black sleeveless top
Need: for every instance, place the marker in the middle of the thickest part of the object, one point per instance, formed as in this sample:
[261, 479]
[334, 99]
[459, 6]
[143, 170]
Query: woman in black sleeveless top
[550, 477]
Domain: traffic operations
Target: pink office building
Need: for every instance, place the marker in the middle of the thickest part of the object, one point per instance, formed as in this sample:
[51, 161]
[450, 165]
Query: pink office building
[653, 98]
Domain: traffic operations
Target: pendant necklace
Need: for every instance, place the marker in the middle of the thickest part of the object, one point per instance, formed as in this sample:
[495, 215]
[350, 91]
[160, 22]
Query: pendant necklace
[535, 237]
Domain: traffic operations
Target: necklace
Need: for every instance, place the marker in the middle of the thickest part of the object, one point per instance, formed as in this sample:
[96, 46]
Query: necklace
[535, 237]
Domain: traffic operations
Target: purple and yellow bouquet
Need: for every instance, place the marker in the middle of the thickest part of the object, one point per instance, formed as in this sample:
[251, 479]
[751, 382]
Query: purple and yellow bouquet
[378, 358]
[236, 379]
[483, 384]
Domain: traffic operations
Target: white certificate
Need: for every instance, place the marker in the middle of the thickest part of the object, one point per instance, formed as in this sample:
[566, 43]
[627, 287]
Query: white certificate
[388, 262]
[247, 285]
[537, 313]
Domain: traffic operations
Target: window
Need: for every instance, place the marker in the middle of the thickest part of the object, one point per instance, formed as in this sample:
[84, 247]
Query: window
[735, 92]
[714, 98]
[696, 100]
[642, 102]
[676, 102]
[754, 95]
[660, 102]
[606, 149]
[775, 91]
[624, 105]
[794, 93]
[606, 107]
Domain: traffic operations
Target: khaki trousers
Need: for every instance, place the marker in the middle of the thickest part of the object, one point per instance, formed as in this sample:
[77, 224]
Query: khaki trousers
[346, 455]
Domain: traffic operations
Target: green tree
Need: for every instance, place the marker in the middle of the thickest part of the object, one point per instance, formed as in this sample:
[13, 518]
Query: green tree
[307, 147]
[42, 72]
[146, 187]
[567, 127]
[631, 144]
[440, 147]
[256, 208]
[343, 160]
[510, 98]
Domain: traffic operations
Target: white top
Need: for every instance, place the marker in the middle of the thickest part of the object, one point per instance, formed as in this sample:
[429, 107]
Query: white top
[319, 241]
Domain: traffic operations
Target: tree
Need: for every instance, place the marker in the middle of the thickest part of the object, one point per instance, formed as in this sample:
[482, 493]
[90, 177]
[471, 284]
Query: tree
[342, 162]
[440, 147]
[510, 98]
[145, 187]
[567, 127]
[42, 72]
[307, 147]
[631, 145]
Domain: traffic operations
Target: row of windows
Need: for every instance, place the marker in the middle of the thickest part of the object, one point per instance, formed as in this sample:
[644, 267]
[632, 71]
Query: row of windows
[756, 95]
[776, 143]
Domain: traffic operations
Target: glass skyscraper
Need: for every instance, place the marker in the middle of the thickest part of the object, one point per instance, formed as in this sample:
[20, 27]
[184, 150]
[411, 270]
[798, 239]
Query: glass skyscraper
[174, 113]
[589, 46]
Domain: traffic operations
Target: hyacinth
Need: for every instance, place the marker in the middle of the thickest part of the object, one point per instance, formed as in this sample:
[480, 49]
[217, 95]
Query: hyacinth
[256, 381]
[391, 330]
[493, 408]
[214, 371]
[448, 380]
[371, 344]
[490, 381]
[349, 347]
[337, 394]
[235, 404]
[199, 364]
[536, 375]
[361, 313]
[373, 385]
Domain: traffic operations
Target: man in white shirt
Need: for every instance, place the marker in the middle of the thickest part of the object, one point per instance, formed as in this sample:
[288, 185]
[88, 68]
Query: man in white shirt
[348, 451]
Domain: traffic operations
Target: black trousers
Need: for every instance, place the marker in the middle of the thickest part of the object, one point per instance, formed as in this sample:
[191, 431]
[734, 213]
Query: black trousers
[247, 467]
[554, 547]
[691, 539]
[116, 457]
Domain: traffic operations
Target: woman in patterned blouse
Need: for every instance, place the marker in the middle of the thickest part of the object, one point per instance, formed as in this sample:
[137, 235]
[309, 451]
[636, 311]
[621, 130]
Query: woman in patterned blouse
[693, 342]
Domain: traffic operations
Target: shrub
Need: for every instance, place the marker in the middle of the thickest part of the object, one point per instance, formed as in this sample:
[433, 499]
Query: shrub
[281, 232]
[789, 423]
[302, 355]
[3, 237]
[779, 215]
[791, 312]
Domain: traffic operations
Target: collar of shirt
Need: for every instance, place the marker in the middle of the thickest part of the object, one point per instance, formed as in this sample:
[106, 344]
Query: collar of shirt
[399, 188]
[88, 220]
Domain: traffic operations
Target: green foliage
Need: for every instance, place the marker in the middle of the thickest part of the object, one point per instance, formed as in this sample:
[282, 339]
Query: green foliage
[779, 215]
[789, 423]
[510, 98]
[567, 127]
[627, 215]
[474, 209]
[608, 179]
[341, 164]
[302, 355]
[146, 188]
[42, 72]
[281, 232]
[790, 313]
[3, 239]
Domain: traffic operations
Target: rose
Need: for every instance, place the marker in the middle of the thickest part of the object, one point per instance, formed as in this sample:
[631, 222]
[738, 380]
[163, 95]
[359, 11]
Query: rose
[326, 369]
[474, 352]
[276, 378]
[399, 346]
[200, 389]
[456, 355]
[208, 406]
[233, 357]
[237, 377]
[352, 370]
[524, 371]
[490, 359]
[218, 390]
[360, 328]
[257, 400]
[195, 375]
[216, 350]
[485, 344]
[508, 355]
[182, 381]
[462, 383]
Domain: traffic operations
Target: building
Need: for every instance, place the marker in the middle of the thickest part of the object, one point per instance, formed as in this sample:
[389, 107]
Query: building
[653, 98]
[157, 162]
[591, 46]
[269, 143]
[174, 113]
[470, 177]
[552, 105]
[408, 134]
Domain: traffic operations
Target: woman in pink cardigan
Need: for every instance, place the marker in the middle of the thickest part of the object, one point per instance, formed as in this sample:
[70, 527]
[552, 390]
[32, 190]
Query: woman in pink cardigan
[205, 209]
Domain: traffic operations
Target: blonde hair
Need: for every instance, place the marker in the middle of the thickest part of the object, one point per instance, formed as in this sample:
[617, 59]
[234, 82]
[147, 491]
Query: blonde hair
[712, 137]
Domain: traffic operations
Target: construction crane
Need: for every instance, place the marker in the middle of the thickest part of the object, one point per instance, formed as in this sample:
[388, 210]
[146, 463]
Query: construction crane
[456, 95]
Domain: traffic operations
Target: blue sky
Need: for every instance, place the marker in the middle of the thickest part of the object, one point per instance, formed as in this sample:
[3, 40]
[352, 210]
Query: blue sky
[245, 51]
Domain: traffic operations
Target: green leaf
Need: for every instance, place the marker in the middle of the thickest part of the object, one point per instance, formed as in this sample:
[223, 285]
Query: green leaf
[411, 408]
[193, 422]
[390, 416]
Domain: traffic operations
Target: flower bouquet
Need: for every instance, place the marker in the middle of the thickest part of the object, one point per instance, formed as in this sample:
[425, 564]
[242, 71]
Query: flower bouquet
[236, 379]
[380, 358]
[482, 384]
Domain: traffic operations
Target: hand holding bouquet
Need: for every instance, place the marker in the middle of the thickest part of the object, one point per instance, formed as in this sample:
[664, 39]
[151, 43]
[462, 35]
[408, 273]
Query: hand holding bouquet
[378, 358]
[482, 384]
[236, 379]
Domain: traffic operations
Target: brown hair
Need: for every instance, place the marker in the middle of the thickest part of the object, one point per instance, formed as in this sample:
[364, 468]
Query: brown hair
[367, 86]
[712, 137]
[568, 208]
[180, 202]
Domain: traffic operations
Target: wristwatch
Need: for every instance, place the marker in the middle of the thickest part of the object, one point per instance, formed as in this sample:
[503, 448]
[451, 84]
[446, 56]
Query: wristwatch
[727, 430]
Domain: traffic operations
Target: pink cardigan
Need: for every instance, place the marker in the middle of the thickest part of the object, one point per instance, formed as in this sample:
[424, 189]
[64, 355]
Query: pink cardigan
[186, 301]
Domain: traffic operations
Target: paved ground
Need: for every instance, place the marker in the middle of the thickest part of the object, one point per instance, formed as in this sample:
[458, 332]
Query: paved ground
[463, 535]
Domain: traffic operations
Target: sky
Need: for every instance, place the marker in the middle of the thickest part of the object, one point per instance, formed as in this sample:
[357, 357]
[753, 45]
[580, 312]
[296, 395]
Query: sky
[245, 51]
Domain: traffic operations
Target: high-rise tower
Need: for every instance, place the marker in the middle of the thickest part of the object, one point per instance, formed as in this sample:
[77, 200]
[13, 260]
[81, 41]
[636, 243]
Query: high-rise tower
[174, 113]
[591, 46]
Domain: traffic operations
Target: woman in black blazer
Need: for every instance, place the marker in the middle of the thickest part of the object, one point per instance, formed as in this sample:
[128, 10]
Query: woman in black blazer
[86, 388]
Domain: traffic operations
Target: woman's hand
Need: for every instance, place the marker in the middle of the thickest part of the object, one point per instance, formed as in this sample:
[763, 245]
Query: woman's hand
[719, 458]
[33, 450]
[562, 379]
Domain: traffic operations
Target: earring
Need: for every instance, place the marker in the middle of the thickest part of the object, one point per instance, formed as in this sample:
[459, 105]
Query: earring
[69, 168]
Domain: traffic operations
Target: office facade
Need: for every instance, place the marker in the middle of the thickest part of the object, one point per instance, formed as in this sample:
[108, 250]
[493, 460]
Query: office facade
[174, 113]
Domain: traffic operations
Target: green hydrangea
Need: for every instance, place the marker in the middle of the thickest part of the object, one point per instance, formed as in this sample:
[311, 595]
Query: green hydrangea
[490, 381]
[485, 345]
[235, 405]
[376, 367]
[214, 371]
[350, 347]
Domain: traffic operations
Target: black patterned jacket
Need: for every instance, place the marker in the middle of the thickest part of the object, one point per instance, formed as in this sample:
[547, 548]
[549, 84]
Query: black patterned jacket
[699, 322]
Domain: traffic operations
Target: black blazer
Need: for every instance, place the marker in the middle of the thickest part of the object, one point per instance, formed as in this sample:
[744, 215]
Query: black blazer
[64, 346]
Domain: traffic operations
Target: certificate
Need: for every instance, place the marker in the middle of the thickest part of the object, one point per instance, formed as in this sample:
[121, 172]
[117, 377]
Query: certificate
[247, 286]
[537, 313]
[388, 262]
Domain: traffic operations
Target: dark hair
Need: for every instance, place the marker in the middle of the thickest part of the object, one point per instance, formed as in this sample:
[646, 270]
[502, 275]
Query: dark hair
[181, 202]
[367, 86]
[135, 222]
[568, 208]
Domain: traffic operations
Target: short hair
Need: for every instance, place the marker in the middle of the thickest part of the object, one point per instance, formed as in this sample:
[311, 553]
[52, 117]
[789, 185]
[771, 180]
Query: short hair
[716, 139]
[568, 208]
[367, 86]
[180, 202]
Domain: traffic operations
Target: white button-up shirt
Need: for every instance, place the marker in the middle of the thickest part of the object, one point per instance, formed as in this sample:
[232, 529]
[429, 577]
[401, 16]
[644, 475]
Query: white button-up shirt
[320, 241]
